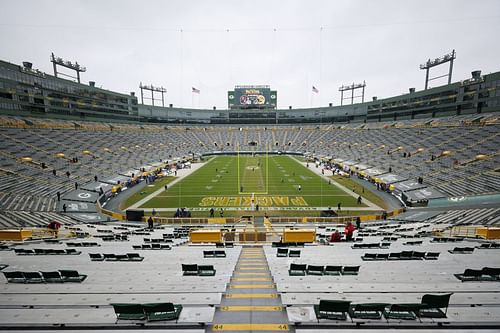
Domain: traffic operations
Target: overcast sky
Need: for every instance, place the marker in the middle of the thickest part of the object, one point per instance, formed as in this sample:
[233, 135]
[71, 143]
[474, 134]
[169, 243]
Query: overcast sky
[290, 45]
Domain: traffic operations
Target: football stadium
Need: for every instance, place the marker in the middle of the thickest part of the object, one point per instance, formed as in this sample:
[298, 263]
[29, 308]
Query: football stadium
[122, 212]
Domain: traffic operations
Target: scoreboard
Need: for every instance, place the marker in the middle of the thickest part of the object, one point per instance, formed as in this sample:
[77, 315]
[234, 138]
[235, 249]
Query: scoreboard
[252, 97]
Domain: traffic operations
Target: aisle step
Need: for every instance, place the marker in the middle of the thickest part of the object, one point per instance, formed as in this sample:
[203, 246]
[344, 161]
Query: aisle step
[251, 302]
[251, 308]
[252, 286]
[250, 327]
[251, 295]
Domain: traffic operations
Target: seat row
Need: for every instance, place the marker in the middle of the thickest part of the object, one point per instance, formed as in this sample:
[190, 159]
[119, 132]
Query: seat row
[158, 240]
[403, 255]
[430, 306]
[46, 252]
[383, 245]
[489, 246]
[115, 257]
[303, 269]
[41, 277]
[82, 244]
[484, 274]
[214, 254]
[289, 244]
[461, 250]
[149, 311]
[287, 253]
[152, 246]
[198, 270]
[113, 238]
[446, 240]
[224, 245]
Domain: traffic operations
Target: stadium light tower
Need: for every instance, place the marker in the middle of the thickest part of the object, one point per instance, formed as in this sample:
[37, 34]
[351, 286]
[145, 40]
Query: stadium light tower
[450, 57]
[68, 64]
[352, 88]
[153, 89]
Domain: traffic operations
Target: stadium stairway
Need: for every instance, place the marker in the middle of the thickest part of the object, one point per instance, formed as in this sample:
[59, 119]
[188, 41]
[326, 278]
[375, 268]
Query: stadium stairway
[251, 302]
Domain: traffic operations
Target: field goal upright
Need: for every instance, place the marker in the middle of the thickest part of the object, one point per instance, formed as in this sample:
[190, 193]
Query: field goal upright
[247, 175]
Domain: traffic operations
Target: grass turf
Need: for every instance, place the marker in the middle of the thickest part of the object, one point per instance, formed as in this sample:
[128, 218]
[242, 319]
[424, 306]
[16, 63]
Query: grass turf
[228, 181]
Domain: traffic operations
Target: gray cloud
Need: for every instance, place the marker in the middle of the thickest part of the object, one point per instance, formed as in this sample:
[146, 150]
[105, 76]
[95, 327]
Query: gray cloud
[291, 45]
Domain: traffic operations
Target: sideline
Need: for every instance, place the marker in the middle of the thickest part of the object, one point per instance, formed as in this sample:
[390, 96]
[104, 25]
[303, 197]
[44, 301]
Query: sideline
[317, 171]
[181, 174]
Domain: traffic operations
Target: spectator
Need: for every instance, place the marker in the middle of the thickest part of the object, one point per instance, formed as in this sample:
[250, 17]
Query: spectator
[64, 208]
[348, 231]
[58, 196]
[150, 223]
[335, 237]
[54, 228]
[358, 223]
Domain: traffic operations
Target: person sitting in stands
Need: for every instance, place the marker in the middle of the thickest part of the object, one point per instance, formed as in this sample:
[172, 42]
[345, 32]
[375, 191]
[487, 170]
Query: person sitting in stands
[335, 237]
[348, 231]
[54, 227]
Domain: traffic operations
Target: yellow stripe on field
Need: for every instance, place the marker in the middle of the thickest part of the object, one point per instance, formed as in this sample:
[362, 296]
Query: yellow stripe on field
[252, 279]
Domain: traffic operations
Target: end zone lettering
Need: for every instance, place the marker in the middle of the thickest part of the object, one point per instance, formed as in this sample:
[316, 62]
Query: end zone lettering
[247, 201]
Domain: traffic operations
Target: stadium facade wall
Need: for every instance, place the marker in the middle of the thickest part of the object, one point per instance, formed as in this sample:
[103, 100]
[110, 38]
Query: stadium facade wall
[28, 92]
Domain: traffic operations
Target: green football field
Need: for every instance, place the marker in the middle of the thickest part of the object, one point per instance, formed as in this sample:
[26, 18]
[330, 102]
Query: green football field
[239, 183]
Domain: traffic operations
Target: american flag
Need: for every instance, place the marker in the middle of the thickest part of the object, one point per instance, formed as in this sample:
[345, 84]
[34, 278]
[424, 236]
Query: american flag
[194, 90]
[315, 90]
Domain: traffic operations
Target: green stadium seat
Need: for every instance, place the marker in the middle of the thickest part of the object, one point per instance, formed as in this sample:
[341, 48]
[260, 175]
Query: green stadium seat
[433, 305]
[367, 310]
[162, 311]
[128, 311]
[297, 270]
[333, 310]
